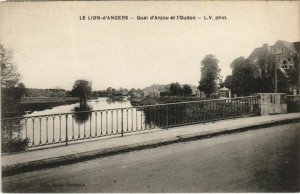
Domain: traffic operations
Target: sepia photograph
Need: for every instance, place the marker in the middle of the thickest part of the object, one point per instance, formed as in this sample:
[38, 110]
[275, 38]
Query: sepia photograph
[150, 96]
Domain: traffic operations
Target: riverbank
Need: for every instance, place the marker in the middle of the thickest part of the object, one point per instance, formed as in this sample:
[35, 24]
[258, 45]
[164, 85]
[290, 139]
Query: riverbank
[30, 104]
[162, 100]
[38, 100]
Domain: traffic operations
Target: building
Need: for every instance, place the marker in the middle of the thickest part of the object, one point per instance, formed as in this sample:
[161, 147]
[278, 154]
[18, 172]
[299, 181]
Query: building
[225, 92]
[200, 94]
[155, 90]
[285, 55]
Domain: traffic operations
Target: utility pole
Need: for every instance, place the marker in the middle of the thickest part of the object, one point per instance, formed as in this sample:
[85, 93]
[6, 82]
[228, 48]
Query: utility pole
[275, 64]
[276, 67]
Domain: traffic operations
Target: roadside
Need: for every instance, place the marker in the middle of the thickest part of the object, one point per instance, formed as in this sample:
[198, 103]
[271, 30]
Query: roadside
[252, 161]
[80, 151]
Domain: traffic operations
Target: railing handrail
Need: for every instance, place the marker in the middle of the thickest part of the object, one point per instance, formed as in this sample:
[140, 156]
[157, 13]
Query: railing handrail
[136, 107]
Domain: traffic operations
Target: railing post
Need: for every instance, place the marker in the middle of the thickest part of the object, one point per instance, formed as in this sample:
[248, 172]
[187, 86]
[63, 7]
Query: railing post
[122, 130]
[234, 108]
[66, 130]
[167, 117]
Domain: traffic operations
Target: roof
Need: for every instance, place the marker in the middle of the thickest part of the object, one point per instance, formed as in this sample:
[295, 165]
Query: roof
[258, 53]
[263, 51]
[288, 45]
[224, 89]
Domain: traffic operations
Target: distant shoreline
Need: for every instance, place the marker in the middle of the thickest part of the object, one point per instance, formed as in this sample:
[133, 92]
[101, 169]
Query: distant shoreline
[162, 100]
[41, 100]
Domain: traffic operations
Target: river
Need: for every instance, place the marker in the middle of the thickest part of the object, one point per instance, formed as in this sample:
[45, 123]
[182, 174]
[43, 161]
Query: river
[103, 117]
[95, 104]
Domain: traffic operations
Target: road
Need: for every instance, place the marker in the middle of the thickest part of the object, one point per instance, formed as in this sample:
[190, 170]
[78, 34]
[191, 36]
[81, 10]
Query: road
[263, 160]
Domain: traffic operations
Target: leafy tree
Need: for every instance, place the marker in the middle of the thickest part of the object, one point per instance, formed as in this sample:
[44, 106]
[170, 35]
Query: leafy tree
[140, 92]
[122, 91]
[135, 92]
[108, 90]
[12, 90]
[210, 73]
[81, 89]
[228, 82]
[9, 73]
[187, 90]
[244, 80]
[293, 73]
[20, 91]
[113, 91]
[132, 92]
[175, 89]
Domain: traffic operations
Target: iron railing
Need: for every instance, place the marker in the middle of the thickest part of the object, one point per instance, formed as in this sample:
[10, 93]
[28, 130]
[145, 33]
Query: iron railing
[74, 126]
[293, 103]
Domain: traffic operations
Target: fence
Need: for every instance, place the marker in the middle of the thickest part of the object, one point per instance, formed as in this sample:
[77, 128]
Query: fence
[293, 103]
[68, 127]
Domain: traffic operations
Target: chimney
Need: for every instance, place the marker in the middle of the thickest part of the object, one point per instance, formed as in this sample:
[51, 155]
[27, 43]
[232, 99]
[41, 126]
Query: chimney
[266, 47]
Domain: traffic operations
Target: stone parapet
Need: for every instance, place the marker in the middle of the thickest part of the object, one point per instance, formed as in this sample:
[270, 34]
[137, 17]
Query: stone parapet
[272, 103]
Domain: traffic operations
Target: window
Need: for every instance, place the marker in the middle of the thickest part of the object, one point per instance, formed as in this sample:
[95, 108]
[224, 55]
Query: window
[284, 62]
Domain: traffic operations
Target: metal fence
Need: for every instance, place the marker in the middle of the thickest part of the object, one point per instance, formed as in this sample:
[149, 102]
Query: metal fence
[74, 126]
[293, 103]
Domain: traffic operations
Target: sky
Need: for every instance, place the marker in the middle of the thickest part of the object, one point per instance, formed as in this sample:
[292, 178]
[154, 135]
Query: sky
[53, 47]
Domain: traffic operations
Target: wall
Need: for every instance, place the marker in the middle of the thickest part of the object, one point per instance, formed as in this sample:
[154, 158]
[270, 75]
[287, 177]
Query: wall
[273, 103]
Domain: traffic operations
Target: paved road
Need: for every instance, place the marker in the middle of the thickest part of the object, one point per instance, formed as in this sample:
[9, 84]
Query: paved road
[264, 160]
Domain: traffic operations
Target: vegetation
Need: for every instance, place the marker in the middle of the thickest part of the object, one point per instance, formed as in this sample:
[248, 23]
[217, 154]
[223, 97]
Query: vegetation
[243, 77]
[111, 92]
[248, 78]
[187, 90]
[181, 114]
[10, 76]
[12, 91]
[175, 89]
[81, 89]
[210, 74]
[33, 92]
[135, 92]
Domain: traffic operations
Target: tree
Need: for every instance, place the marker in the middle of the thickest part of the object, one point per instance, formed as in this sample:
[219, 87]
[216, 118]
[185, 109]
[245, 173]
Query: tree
[108, 90]
[9, 73]
[228, 82]
[113, 91]
[132, 92]
[81, 89]
[244, 80]
[187, 90]
[12, 90]
[122, 91]
[140, 92]
[175, 89]
[210, 73]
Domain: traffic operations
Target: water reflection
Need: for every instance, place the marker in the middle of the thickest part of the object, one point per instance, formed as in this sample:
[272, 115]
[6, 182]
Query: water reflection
[118, 99]
[81, 117]
[18, 133]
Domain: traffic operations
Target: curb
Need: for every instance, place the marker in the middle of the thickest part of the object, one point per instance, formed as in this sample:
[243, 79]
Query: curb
[73, 158]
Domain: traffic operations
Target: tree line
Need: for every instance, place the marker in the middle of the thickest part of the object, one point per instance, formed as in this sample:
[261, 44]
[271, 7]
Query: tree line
[176, 89]
[110, 91]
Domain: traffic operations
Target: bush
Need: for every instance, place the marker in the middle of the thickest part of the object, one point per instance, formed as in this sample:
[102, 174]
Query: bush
[14, 145]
